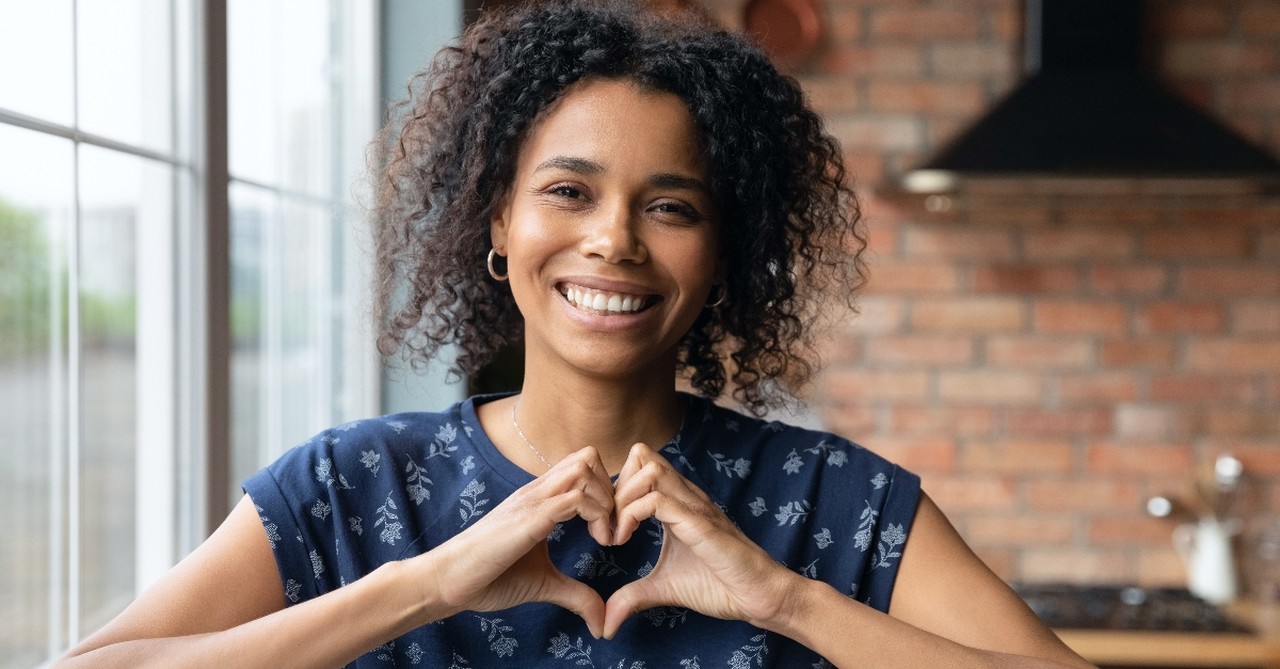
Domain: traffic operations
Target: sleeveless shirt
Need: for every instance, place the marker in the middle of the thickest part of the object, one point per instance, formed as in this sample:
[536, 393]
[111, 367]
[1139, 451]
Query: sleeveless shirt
[368, 492]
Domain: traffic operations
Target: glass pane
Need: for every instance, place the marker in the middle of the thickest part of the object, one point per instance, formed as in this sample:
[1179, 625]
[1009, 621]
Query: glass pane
[124, 75]
[35, 58]
[280, 94]
[253, 214]
[287, 326]
[35, 210]
[125, 200]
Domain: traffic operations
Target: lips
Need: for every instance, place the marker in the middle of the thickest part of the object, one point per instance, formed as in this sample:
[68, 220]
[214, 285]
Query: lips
[597, 301]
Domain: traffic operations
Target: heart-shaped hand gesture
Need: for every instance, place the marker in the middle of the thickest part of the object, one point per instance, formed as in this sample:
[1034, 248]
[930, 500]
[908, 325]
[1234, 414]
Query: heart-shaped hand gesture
[707, 564]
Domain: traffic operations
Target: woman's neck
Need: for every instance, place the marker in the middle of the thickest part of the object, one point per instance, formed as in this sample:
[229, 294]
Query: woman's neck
[557, 414]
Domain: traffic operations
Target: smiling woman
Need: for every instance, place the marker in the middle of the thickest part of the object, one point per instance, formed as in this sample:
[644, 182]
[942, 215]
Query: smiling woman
[635, 197]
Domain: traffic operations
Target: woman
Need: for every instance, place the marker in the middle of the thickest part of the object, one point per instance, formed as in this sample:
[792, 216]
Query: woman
[633, 199]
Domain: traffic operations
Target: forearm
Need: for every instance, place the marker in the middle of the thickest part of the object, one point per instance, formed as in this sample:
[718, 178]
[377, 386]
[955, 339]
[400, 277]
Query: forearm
[850, 634]
[329, 631]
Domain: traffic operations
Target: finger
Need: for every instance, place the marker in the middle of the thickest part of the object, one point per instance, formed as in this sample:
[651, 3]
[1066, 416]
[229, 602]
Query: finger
[584, 471]
[578, 597]
[629, 599]
[636, 458]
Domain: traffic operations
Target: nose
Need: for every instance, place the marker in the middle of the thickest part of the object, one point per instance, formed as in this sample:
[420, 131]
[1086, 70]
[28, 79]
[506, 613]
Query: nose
[611, 235]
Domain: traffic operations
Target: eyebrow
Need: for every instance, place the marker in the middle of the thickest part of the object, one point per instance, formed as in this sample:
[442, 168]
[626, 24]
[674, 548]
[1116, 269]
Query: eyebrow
[591, 167]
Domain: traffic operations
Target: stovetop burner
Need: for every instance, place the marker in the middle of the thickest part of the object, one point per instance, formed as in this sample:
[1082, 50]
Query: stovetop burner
[1070, 606]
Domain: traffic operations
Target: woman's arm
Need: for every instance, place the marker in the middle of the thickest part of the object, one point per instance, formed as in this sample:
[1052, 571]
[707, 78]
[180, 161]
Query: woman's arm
[224, 604]
[947, 610]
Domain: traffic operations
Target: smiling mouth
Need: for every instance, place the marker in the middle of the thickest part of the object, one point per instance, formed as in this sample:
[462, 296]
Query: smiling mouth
[605, 302]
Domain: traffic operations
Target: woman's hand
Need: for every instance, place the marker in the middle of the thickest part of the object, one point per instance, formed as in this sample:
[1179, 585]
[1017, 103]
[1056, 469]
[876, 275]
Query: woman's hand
[707, 564]
[502, 560]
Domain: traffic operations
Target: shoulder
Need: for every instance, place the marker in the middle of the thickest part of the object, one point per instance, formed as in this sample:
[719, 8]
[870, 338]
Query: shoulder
[789, 452]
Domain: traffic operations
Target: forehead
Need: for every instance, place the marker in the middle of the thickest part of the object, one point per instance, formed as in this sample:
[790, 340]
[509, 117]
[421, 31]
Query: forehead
[619, 124]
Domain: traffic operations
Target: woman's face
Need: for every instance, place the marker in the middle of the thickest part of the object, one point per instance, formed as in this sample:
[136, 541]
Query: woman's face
[611, 230]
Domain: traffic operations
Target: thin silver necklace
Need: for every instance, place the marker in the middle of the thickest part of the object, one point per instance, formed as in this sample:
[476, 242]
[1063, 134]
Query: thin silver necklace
[538, 453]
[526, 439]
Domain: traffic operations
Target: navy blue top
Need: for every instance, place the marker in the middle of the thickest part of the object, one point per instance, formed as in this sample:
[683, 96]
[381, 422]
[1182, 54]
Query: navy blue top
[362, 494]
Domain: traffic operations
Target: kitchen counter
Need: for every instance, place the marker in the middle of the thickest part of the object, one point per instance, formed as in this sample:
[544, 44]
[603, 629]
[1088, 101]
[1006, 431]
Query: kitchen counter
[1118, 648]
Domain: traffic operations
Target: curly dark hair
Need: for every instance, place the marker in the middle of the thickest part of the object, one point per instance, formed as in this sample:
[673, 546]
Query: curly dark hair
[791, 236]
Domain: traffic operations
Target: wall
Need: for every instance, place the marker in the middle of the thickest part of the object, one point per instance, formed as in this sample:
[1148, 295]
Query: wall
[1047, 355]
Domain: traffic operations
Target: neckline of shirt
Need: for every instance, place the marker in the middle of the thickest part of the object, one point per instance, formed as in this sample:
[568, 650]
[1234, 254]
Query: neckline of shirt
[518, 477]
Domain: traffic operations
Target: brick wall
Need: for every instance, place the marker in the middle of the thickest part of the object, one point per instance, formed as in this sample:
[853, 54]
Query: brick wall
[1046, 356]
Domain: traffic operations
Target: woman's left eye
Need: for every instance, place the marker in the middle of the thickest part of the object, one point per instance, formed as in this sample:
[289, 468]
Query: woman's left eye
[676, 208]
[567, 191]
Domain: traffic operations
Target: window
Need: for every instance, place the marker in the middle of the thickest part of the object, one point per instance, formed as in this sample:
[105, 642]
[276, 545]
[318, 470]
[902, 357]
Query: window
[103, 283]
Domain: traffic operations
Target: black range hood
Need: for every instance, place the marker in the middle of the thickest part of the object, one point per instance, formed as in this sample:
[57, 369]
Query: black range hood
[1089, 109]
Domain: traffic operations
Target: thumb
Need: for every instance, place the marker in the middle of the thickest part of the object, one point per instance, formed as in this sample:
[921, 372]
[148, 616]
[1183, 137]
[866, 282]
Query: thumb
[627, 600]
[579, 598]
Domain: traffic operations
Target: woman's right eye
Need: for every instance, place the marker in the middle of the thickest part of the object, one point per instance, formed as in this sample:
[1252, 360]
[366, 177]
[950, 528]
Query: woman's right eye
[566, 191]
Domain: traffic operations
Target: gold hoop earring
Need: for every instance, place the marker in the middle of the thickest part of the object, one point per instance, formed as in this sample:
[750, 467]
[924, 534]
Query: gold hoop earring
[724, 293]
[493, 252]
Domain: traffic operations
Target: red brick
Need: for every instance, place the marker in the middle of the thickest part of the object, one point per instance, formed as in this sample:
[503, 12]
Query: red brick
[841, 349]
[1184, 20]
[1245, 423]
[1260, 457]
[876, 133]
[1260, 215]
[1039, 353]
[1091, 317]
[1240, 356]
[1161, 567]
[1211, 58]
[925, 96]
[953, 243]
[877, 315]
[846, 24]
[831, 96]
[920, 351]
[1097, 388]
[1079, 244]
[972, 314]
[1136, 279]
[974, 59]
[1001, 278]
[1269, 243]
[1201, 388]
[1135, 529]
[1075, 565]
[990, 388]
[875, 385]
[1181, 317]
[1252, 96]
[1018, 456]
[1260, 19]
[1198, 242]
[924, 24]
[914, 277]
[1256, 317]
[1137, 353]
[1006, 23]
[1141, 421]
[1108, 213]
[877, 61]
[922, 455]
[1076, 494]
[1138, 458]
[1011, 214]
[1230, 281]
[1058, 422]
[1001, 528]
[853, 421]
[958, 421]
[962, 493]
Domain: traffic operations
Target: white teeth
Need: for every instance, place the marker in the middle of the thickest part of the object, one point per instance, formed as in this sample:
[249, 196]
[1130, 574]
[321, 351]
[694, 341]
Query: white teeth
[601, 301]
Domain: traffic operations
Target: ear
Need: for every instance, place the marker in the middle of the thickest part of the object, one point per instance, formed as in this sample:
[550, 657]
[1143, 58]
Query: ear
[500, 223]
